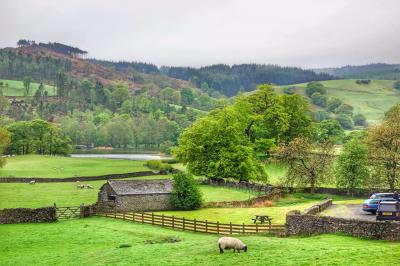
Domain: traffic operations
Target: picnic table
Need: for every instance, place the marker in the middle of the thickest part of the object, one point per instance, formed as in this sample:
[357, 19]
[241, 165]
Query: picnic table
[262, 218]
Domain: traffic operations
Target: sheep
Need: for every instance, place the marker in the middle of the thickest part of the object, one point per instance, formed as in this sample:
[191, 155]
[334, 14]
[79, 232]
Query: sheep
[80, 186]
[89, 186]
[32, 182]
[231, 243]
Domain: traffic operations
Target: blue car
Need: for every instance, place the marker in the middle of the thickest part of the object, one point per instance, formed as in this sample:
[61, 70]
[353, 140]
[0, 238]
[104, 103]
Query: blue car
[372, 204]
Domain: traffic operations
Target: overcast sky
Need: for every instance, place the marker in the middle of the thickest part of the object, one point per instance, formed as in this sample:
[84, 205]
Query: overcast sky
[306, 33]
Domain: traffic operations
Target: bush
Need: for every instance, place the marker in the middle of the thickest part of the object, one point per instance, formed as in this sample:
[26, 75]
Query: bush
[319, 116]
[345, 121]
[319, 99]
[363, 81]
[345, 109]
[314, 87]
[166, 146]
[333, 104]
[186, 194]
[289, 90]
[359, 120]
[158, 165]
[396, 85]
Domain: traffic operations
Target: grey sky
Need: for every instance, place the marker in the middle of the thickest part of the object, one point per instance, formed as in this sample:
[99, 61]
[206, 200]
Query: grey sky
[306, 33]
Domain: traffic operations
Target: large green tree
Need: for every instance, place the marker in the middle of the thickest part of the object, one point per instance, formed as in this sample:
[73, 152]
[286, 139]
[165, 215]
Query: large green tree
[4, 143]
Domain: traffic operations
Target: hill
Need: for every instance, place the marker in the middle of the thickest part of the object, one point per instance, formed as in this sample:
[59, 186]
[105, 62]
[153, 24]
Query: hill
[370, 71]
[372, 99]
[229, 80]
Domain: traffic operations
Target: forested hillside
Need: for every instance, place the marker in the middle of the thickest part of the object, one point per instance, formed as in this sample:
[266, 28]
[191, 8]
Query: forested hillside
[229, 80]
[371, 71]
[94, 104]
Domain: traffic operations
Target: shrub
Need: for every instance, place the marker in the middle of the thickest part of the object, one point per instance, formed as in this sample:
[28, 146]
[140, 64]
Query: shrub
[396, 85]
[319, 116]
[158, 165]
[359, 120]
[333, 104]
[319, 99]
[345, 121]
[345, 109]
[289, 90]
[186, 194]
[363, 81]
[314, 87]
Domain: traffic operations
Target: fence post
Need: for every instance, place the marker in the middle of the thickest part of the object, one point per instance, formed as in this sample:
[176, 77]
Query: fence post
[230, 227]
[173, 221]
[123, 216]
[206, 226]
[152, 218]
[133, 216]
[162, 220]
[142, 217]
[256, 228]
[195, 224]
[217, 227]
[183, 224]
[243, 228]
[115, 212]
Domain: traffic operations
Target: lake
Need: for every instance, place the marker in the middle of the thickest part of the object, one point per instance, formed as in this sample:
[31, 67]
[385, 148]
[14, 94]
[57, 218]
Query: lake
[133, 157]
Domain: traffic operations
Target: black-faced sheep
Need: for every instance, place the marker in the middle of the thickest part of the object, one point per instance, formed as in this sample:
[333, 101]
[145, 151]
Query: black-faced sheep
[231, 243]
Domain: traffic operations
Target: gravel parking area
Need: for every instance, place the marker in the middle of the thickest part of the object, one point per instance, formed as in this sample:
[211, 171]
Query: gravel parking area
[348, 211]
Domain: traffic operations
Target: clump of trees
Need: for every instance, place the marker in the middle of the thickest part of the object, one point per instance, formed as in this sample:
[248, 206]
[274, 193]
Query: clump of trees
[37, 136]
[186, 194]
[4, 143]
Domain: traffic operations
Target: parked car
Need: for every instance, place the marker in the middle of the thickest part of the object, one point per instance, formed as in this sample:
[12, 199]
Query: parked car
[388, 211]
[372, 204]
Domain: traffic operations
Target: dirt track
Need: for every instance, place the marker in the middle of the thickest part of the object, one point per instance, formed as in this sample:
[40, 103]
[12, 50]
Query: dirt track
[352, 211]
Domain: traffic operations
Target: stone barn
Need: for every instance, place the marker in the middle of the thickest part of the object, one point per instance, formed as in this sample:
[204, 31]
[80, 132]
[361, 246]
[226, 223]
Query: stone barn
[138, 195]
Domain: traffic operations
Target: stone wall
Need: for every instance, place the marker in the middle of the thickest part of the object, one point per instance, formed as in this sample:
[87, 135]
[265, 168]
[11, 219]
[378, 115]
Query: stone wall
[262, 188]
[24, 215]
[78, 178]
[305, 224]
[276, 194]
[148, 202]
[318, 207]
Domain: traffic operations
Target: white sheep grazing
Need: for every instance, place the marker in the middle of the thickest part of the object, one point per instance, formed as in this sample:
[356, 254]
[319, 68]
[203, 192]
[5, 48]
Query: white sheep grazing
[80, 186]
[231, 243]
[89, 186]
[32, 182]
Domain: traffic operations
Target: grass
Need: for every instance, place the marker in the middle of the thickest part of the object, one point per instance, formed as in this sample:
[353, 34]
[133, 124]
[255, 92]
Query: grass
[18, 195]
[296, 201]
[54, 166]
[16, 88]
[372, 100]
[105, 241]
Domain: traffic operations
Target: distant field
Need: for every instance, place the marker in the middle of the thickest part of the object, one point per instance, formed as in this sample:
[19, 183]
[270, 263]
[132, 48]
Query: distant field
[372, 100]
[16, 88]
[13, 195]
[56, 166]
[97, 241]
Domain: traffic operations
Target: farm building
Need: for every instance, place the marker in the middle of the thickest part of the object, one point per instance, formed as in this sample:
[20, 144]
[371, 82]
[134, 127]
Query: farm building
[138, 195]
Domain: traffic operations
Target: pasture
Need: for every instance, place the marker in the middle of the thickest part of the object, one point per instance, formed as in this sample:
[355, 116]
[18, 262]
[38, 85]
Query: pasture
[371, 100]
[105, 241]
[16, 88]
[18, 195]
[57, 166]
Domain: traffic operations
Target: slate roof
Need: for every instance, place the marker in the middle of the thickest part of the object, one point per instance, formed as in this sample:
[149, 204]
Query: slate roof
[140, 187]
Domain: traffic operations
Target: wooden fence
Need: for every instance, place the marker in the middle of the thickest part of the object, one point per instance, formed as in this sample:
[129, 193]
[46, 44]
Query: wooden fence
[68, 212]
[195, 225]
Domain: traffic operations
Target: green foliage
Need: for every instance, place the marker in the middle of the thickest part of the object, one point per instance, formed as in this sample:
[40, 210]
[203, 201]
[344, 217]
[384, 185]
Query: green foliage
[37, 136]
[360, 120]
[5, 140]
[352, 165]
[186, 194]
[345, 121]
[289, 90]
[345, 109]
[159, 166]
[329, 130]
[319, 99]
[332, 104]
[313, 87]
[187, 96]
[319, 116]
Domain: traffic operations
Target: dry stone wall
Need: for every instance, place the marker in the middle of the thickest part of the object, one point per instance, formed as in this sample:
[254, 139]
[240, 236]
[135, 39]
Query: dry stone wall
[25, 215]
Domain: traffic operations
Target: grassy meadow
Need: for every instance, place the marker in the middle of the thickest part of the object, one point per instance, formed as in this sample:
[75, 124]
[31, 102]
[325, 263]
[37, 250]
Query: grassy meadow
[97, 241]
[16, 88]
[371, 100]
[14, 195]
[56, 166]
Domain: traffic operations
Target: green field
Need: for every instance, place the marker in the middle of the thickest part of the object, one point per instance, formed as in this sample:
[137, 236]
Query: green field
[277, 211]
[97, 241]
[372, 100]
[16, 88]
[56, 166]
[17, 195]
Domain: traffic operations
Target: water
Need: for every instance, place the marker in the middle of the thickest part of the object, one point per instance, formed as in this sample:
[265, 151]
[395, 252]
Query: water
[133, 157]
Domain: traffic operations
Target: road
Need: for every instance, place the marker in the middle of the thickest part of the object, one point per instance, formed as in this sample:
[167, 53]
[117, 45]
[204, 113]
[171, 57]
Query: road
[352, 211]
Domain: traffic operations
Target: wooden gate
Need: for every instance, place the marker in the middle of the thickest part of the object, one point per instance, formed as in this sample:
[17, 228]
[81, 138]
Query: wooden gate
[68, 212]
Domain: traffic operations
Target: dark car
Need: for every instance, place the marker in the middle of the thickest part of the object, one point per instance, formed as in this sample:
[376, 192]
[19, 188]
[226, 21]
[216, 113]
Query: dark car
[388, 211]
[372, 204]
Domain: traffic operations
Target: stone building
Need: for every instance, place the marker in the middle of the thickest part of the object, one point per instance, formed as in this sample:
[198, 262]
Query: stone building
[138, 195]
